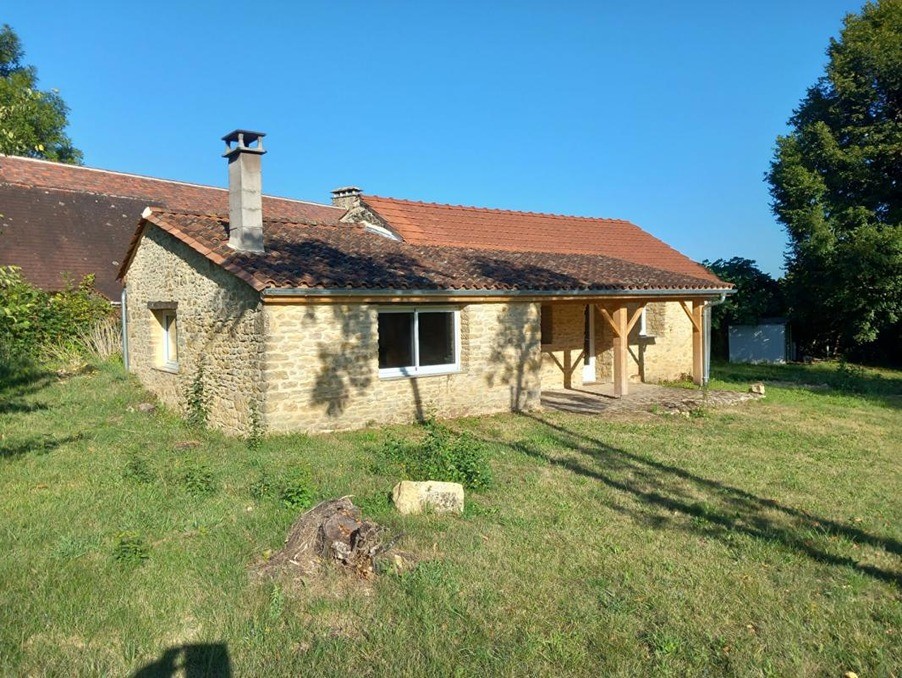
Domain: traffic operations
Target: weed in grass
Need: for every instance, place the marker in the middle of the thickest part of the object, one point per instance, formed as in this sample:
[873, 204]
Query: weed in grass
[130, 549]
[138, 469]
[663, 644]
[374, 503]
[296, 488]
[70, 547]
[276, 603]
[255, 435]
[441, 455]
[198, 480]
[261, 488]
[196, 399]
[474, 509]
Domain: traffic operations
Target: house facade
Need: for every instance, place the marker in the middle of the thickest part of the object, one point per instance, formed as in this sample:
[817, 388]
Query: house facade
[397, 310]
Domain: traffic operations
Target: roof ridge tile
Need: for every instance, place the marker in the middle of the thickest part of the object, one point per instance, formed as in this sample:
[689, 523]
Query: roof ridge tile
[497, 210]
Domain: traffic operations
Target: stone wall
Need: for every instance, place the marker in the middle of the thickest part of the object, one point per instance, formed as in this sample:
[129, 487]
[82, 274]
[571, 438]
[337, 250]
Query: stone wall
[219, 322]
[322, 368]
[666, 354]
[314, 367]
[566, 347]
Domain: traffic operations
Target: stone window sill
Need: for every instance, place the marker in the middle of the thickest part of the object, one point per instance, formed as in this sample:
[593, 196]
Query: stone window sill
[169, 368]
[395, 376]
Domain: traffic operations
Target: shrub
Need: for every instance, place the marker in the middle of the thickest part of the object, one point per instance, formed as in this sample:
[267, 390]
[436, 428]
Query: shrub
[441, 455]
[850, 378]
[32, 319]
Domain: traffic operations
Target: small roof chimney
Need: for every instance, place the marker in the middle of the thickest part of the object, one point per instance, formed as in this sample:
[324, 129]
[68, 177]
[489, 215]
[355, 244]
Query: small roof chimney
[346, 197]
[245, 190]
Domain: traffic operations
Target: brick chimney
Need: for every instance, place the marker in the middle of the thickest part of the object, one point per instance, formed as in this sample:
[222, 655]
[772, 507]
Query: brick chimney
[347, 197]
[245, 190]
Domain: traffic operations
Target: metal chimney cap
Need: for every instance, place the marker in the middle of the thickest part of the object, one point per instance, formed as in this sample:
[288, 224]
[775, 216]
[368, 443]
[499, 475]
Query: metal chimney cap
[243, 138]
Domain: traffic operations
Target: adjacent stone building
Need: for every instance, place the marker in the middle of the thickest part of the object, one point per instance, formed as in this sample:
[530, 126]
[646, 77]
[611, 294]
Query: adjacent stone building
[395, 310]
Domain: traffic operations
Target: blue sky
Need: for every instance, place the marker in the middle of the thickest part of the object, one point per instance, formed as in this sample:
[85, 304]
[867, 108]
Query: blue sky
[662, 113]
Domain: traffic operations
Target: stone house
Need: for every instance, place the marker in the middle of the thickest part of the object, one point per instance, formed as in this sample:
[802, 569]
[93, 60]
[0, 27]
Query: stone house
[383, 310]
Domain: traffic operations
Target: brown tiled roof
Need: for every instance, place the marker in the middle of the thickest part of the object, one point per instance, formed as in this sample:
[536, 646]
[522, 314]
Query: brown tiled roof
[60, 219]
[423, 223]
[348, 257]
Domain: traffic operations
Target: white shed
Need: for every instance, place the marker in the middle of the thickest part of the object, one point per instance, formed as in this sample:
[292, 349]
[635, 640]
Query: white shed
[767, 342]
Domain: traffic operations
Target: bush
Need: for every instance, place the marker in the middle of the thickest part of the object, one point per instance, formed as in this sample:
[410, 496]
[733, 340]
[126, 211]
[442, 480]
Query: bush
[441, 455]
[31, 319]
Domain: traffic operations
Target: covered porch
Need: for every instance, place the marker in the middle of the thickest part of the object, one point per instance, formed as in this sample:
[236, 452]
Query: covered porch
[615, 344]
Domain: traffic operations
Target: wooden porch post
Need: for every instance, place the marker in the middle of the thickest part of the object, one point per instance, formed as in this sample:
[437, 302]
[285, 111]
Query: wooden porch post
[621, 325]
[698, 345]
[621, 341]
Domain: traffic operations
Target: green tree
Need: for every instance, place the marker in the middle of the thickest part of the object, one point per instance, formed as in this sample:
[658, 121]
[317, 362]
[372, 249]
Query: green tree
[757, 296]
[836, 184]
[32, 122]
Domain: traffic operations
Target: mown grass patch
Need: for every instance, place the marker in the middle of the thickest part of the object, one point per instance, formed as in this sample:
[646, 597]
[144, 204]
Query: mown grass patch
[760, 540]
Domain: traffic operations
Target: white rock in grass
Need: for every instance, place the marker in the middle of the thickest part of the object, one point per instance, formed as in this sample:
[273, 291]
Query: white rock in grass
[757, 388]
[428, 495]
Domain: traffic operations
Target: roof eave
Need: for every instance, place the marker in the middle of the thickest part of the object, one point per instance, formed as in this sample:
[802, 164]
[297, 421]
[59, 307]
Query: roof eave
[683, 292]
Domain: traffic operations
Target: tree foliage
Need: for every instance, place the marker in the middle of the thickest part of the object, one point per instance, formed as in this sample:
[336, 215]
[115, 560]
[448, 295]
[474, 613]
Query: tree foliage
[836, 184]
[32, 122]
[32, 319]
[757, 296]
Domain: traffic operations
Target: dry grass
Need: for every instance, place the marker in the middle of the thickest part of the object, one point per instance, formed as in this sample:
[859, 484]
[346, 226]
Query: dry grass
[104, 340]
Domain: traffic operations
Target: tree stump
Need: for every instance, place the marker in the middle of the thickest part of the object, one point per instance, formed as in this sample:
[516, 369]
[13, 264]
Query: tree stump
[331, 532]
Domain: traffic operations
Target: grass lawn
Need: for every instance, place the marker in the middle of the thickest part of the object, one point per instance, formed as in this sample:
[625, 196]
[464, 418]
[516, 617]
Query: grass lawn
[762, 540]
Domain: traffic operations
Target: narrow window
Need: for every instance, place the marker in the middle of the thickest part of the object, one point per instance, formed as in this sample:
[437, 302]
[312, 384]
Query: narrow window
[415, 342]
[546, 313]
[167, 335]
[170, 340]
[643, 322]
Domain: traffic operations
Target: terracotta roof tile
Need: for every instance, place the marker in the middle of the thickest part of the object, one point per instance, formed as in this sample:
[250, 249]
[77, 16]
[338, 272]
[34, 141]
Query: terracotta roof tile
[422, 223]
[312, 255]
[60, 219]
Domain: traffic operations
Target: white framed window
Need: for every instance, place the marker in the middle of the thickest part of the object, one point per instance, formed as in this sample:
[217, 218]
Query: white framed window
[418, 341]
[643, 322]
[167, 357]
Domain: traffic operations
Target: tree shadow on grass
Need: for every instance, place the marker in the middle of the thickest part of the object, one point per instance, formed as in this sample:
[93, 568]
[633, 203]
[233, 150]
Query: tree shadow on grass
[197, 660]
[35, 446]
[669, 495]
[20, 378]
